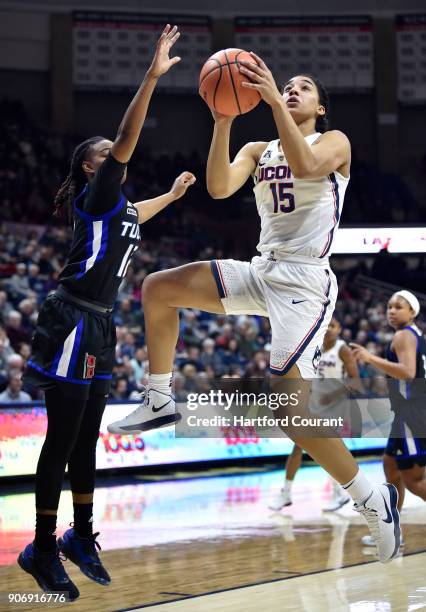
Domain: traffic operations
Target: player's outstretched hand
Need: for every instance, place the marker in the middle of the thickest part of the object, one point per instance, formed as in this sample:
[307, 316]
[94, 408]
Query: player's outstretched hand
[161, 61]
[181, 184]
[261, 79]
[360, 352]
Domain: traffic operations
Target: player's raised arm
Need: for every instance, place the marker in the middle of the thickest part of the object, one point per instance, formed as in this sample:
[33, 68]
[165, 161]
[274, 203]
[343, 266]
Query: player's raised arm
[149, 208]
[223, 177]
[134, 118]
[332, 150]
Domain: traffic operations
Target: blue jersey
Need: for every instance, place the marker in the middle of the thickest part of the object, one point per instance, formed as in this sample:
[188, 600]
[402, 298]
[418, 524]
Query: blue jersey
[408, 401]
[408, 397]
[105, 237]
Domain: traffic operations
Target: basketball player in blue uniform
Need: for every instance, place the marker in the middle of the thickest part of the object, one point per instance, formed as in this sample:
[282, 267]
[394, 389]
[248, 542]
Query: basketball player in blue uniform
[404, 459]
[74, 342]
[299, 184]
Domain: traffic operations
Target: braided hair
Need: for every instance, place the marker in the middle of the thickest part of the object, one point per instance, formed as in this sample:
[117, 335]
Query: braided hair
[76, 178]
[322, 123]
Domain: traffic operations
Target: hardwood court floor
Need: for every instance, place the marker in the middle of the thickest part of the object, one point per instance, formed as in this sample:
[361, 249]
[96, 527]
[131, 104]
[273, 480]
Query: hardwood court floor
[363, 588]
[166, 541]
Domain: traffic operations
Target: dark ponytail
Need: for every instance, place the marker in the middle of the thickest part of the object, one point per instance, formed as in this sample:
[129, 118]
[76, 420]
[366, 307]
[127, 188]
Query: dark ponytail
[322, 122]
[76, 178]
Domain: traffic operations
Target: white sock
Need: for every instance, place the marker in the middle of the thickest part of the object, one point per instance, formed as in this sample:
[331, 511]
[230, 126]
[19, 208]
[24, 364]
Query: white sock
[161, 382]
[359, 488]
[287, 486]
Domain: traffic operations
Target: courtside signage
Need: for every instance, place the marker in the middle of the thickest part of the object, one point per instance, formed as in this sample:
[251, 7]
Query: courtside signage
[365, 240]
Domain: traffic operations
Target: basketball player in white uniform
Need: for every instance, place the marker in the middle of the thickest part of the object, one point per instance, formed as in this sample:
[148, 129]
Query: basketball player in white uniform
[300, 180]
[328, 395]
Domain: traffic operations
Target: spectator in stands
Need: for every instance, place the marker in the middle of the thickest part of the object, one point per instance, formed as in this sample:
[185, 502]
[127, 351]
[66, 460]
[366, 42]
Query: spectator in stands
[191, 334]
[209, 357]
[15, 331]
[15, 364]
[36, 283]
[121, 390]
[24, 351]
[13, 392]
[258, 367]
[129, 375]
[5, 307]
[28, 310]
[127, 316]
[226, 333]
[189, 372]
[4, 368]
[192, 357]
[18, 285]
[235, 371]
[128, 348]
[248, 342]
[180, 392]
[231, 354]
[139, 364]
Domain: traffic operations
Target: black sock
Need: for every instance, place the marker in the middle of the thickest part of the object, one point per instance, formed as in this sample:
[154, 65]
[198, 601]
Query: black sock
[83, 519]
[45, 536]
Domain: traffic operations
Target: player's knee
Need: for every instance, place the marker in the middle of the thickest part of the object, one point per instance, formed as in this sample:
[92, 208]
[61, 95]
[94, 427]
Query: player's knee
[411, 481]
[160, 288]
[152, 288]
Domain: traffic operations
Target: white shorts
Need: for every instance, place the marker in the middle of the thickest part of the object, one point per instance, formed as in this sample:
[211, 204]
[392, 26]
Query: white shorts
[297, 294]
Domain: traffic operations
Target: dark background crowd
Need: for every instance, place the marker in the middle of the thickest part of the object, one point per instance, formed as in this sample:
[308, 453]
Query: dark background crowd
[34, 245]
[34, 161]
[209, 345]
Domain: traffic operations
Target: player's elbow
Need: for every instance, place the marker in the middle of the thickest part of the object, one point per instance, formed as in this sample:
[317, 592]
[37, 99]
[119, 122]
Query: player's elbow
[217, 192]
[407, 373]
[411, 373]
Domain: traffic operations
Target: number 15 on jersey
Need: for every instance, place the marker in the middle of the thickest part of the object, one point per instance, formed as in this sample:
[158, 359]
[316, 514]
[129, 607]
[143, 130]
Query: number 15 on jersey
[283, 199]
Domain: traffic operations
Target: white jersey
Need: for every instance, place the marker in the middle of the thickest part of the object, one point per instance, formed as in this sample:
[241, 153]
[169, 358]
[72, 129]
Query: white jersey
[330, 364]
[298, 216]
[331, 371]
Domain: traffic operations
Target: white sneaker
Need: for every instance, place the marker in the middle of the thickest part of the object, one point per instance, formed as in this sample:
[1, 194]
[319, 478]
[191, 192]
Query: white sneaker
[336, 502]
[381, 513]
[367, 540]
[157, 410]
[282, 499]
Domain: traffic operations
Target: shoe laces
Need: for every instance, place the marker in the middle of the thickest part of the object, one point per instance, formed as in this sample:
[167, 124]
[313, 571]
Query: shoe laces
[91, 539]
[372, 518]
[144, 395]
[94, 540]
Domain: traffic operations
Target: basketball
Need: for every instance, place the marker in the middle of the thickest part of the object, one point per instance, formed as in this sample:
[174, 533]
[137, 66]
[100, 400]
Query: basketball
[220, 83]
